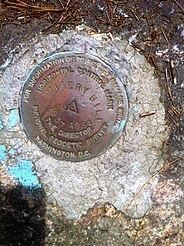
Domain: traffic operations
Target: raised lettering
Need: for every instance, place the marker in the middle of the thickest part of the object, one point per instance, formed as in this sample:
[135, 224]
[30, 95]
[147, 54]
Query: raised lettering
[79, 134]
[78, 86]
[53, 75]
[98, 111]
[120, 112]
[38, 121]
[109, 98]
[27, 94]
[92, 75]
[51, 125]
[60, 153]
[85, 153]
[65, 144]
[93, 98]
[99, 134]
[96, 105]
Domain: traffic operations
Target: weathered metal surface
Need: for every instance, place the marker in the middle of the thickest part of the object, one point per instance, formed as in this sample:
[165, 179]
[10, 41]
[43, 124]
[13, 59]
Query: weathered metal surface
[73, 106]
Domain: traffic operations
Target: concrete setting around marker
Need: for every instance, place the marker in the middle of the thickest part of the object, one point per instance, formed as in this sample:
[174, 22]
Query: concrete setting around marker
[120, 172]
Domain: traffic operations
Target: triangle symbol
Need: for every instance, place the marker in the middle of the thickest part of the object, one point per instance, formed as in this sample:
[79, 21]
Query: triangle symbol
[73, 107]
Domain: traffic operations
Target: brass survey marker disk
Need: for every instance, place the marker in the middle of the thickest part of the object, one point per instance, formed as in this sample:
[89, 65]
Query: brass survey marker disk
[73, 106]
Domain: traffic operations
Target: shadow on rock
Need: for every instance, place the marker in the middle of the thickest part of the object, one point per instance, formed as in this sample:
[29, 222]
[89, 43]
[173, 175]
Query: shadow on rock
[22, 211]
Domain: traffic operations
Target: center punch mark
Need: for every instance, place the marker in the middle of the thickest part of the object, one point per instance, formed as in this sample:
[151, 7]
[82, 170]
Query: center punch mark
[73, 107]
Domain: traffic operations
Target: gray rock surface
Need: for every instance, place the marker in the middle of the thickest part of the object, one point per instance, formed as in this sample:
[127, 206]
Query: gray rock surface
[118, 174]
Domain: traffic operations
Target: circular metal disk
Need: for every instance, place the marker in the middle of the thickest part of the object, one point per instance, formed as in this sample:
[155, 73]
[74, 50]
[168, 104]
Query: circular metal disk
[73, 106]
